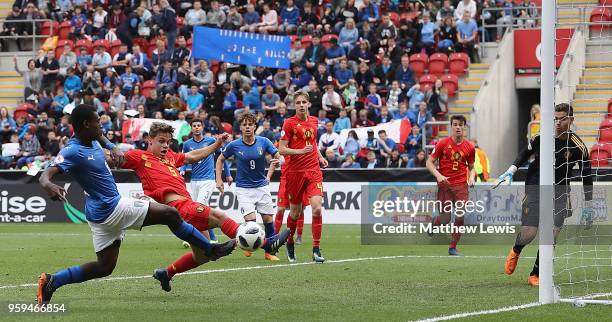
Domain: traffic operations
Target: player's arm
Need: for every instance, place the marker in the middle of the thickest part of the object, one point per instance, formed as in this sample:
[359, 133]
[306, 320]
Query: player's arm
[218, 169]
[200, 154]
[117, 159]
[521, 158]
[431, 165]
[472, 175]
[285, 150]
[587, 185]
[54, 191]
[322, 159]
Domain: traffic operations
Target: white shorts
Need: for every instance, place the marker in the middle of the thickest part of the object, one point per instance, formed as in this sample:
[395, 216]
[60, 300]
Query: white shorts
[130, 213]
[202, 190]
[255, 199]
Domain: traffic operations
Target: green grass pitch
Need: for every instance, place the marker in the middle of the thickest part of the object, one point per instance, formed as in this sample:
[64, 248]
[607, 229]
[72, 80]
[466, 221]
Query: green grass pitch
[411, 283]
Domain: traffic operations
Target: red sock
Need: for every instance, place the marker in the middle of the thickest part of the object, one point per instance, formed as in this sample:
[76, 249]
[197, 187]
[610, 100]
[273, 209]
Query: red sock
[436, 221]
[456, 236]
[229, 227]
[183, 264]
[300, 225]
[278, 220]
[292, 225]
[317, 227]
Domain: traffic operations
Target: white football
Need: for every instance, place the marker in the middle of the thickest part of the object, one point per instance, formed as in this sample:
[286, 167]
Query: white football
[250, 236]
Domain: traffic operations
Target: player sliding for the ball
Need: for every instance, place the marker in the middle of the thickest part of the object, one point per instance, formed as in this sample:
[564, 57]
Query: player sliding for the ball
[304, 177]
[109, 215]
[569, 152]
[158, 171]
[456, 155]
[252, 185]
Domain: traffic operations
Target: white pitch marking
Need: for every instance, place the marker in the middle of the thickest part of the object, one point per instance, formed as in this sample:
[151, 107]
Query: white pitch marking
[494, 311]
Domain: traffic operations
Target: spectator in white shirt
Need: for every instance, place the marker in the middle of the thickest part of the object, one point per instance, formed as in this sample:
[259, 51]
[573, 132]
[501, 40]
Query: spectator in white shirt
[329, 139]
[465, 5]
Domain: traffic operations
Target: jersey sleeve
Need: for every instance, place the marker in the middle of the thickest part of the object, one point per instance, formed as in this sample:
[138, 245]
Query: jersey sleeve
[286, 131]
[228, 150]
[66, 159]
[132, 159]
[179, 159]
[527, 151]
[437, 152]
[185, 149]
[270, 148]
[585, 170]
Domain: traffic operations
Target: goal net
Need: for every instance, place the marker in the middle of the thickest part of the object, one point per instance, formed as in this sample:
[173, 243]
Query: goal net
[582, 255]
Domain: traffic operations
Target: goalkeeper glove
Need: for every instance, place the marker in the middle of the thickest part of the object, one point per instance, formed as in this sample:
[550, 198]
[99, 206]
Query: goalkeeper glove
[508, 175]
[587, 215]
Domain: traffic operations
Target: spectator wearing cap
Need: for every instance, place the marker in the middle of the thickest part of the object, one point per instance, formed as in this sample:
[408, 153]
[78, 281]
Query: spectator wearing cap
[404, 74]
[215, 17]
[290, 18]
[72, 84]
[251, 19]
[348, 35]
[168, 24]
[128, 29]
[50, 69]
[369, 12]
[314, 54]
[101, 60]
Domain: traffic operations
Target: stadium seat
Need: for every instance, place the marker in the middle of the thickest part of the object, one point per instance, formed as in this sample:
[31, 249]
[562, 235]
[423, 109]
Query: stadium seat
[293, 40]
[427, 82]
[599, 15]
[148, 87]
[64, 30]
[144, 45]
[180, 21]
[306, 41]
[227, 127]
[190, 43]
[114, 47]
[83, 43]
[50, 28]
[458, 63]
[605, 131]
[325, 40]
[451, 83]
[395, 18]
[60, 47]
[102, 42]
[437, 63]
[418, 62]
[22, 110]
[600, 155]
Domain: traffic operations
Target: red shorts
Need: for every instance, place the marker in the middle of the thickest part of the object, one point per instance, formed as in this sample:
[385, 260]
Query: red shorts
[303, 185]
[453, 193]
[192, 212]
[281, 198]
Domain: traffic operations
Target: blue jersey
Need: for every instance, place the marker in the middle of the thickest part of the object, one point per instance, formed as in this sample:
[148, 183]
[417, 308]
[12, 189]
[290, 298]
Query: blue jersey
[250, 161]
[203, 169]
[87, 165]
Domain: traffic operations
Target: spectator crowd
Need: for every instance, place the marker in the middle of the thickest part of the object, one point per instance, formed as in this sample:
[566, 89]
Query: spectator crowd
[133, 59]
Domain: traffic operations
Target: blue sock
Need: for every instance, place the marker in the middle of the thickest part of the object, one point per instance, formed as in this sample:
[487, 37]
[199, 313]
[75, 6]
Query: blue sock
[68, 276]
[211, 233]
[269, 229]
[191, 235]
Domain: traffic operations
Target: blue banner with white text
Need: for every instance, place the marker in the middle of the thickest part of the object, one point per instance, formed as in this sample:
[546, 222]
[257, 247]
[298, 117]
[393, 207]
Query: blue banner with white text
[241, 47]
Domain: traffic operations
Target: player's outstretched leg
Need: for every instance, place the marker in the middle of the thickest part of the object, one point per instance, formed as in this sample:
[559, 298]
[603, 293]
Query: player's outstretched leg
[268, 222]
[213, 236]
[300, 229]
[317, 228]
[524, 237]
[104, 266]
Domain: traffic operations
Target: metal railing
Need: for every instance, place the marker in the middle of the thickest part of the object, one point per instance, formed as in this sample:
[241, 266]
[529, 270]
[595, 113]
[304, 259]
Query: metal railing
[35, 31]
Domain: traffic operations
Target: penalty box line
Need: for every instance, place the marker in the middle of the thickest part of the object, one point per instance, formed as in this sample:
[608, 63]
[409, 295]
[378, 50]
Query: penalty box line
[258, 267]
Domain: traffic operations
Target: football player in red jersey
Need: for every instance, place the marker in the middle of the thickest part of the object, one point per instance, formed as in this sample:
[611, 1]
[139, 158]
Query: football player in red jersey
[455, 156]
[282, 203]
[304, 177]
[158, 171]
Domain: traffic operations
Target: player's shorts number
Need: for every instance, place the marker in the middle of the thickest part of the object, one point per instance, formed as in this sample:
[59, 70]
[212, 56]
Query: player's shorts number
[320, 186]
[252, 164]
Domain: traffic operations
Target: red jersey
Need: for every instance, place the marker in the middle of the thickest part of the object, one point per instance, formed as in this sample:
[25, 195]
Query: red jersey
[158, 176]
[454, 159]
[299, 134]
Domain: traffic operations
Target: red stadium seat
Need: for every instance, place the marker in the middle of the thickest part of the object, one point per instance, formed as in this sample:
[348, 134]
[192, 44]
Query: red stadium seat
[64, 30]
[148, 87]
[294, 38]
[451, 83]
[605, 2]
[83, 43]
[427, 82]
[395, 18]
[22, 110]
[60, 47]
[600, 15]
[180, 21]
[50, 28]
[326, 40]
[227, 128]
[458, 63]
[437, 64]
[418, 62]
[600, 155]
[144, 45]
[605, 131]
[306, 41]
[102, 42]
[114, 49]
[214, 66]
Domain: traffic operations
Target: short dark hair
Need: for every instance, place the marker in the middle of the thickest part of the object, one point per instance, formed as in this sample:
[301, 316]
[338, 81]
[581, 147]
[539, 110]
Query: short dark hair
[80, 114]
[196, 120]
[247, 117]
[460, 118]
[565, 107]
